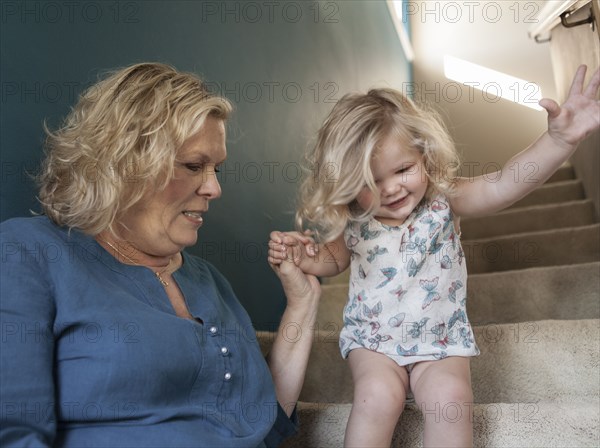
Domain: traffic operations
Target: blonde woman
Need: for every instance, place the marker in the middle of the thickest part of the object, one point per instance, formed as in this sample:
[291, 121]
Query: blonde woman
[391, 213]
[113, 335]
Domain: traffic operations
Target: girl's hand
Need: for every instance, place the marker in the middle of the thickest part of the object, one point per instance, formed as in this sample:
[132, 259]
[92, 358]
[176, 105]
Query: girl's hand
[579, 116]
[290, 246]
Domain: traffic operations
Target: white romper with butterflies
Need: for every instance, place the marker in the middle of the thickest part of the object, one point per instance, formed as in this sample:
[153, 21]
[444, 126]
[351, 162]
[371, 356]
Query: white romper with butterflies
[408, 288]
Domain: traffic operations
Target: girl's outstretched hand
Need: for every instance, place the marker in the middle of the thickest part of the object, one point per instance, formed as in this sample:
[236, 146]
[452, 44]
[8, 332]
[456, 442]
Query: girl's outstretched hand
[290, 246]
[579, 116]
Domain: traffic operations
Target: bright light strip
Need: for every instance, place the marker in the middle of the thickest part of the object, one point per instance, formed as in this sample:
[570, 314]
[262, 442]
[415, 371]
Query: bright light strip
[398, 9]
[493, 84]
[395, 7]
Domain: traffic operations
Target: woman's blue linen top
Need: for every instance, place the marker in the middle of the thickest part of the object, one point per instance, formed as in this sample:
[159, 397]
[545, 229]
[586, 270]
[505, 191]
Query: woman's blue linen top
[92, 353]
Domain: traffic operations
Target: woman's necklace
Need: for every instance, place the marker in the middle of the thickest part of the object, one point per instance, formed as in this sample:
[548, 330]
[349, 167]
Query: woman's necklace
[131, 260]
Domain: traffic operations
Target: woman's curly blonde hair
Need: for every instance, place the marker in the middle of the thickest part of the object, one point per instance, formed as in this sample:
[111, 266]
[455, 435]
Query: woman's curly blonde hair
[339, 165]
[119, 142]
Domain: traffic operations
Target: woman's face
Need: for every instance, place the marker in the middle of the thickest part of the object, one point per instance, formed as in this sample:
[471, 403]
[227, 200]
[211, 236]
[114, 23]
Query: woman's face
[166, 221]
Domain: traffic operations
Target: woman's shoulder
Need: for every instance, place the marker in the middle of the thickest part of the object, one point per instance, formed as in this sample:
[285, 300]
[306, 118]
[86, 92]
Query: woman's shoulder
[30, 228]
[39, 239]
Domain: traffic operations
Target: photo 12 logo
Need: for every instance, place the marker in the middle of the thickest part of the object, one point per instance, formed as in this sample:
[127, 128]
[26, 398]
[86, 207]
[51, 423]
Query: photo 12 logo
[269, 12]
[454, 12]
[68, 12]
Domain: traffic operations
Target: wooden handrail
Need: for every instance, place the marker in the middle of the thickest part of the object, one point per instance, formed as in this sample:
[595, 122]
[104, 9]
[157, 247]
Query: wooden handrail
[550, 16]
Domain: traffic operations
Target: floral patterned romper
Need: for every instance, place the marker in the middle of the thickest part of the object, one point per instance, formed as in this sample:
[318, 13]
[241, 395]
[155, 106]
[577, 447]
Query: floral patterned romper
[408, 288]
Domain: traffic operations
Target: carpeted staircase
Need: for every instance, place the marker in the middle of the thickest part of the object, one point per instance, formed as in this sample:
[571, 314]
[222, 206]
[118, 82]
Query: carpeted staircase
[534, 302]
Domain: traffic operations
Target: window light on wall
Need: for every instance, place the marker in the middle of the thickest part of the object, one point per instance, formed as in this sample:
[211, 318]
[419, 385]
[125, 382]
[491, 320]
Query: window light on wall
[492, 83]
[396, 8]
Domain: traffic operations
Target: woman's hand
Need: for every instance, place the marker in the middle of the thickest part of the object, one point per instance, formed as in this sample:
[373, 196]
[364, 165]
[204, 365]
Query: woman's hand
[579, 116]
[289, 354]
[286, 250]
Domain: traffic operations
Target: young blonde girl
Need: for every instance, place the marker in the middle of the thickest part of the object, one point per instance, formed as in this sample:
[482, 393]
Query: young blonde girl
[385, 199]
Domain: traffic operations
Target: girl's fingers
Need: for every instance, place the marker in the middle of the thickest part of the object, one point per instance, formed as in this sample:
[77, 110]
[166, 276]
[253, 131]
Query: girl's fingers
[592, 88]
[551, 107]
[577, 85]
[274, 246]
[276, 236]
[290, 240]
[306, 237]
[277, 252]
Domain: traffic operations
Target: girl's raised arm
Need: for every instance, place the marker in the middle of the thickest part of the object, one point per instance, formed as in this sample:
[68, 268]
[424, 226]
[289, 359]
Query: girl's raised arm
[568, 125]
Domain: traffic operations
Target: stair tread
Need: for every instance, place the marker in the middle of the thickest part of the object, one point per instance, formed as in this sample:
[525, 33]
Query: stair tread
[565, 172]
[509, 296]
[591, 226]
[542, 248]
[564, 190]
[535, 293]
[514, 363]
[527, 219]
[531, 208]
[570, 245]
[503, 425]
[489, 275]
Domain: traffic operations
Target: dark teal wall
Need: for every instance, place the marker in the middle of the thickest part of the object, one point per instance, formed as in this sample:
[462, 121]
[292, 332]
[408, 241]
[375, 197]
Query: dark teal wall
[282, 63]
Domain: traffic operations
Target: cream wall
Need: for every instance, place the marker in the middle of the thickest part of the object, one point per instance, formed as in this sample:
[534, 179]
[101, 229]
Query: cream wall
[489, 33]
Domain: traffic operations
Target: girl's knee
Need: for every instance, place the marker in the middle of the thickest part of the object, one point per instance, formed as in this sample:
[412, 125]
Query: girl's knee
[450, 389]
[445, 381]
[458, 395]
[380, 396]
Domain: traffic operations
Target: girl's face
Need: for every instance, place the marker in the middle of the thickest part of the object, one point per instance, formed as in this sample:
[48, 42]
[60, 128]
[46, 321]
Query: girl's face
[400, 176]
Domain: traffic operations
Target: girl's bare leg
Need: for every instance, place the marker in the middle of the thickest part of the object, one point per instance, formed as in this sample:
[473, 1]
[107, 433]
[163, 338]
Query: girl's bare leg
[442, 390]
[380, 388]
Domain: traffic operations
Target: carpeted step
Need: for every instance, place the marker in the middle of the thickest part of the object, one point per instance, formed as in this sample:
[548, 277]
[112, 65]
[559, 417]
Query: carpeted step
[554, 292]
[502, 425]
[572, 245]
[517, 363]
[341, 279]
[565, 172]
[526, 250]
[529, 219]
[550, 193]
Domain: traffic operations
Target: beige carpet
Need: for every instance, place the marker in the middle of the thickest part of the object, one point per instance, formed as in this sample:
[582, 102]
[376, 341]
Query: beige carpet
[534, 302]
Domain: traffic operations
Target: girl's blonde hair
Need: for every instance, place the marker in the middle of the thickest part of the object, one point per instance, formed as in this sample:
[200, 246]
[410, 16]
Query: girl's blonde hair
[119, 142]
[340, 162]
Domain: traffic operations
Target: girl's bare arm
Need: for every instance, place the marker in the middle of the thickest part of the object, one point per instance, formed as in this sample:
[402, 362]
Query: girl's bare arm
[568, 125]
